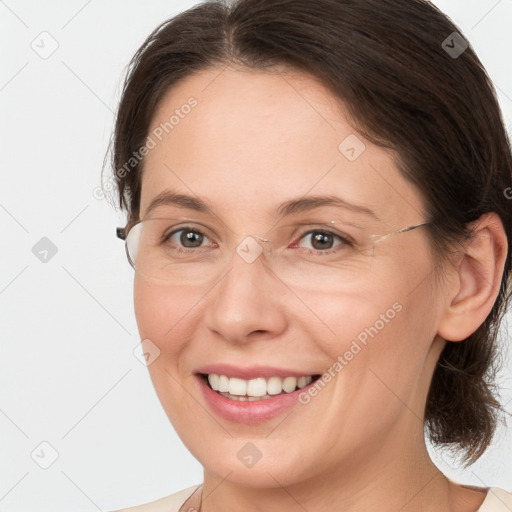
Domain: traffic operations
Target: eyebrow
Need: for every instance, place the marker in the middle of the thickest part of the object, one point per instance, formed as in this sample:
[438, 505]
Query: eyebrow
[302, 204]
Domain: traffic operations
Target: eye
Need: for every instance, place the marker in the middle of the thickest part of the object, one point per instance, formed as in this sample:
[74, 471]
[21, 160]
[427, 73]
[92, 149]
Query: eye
[188, 238]
[323, 241]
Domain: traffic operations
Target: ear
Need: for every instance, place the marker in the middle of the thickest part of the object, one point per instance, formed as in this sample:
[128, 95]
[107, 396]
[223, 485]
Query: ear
[475, 280]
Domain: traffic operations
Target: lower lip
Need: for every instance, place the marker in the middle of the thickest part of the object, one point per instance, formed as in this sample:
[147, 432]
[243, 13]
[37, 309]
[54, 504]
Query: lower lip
[249, 413]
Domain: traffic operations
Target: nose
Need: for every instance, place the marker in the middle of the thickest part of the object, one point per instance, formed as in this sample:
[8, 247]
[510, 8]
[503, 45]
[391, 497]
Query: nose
[248, 301]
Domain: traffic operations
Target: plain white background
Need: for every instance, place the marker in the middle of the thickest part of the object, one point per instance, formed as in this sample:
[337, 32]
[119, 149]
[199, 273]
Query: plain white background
[69, 376]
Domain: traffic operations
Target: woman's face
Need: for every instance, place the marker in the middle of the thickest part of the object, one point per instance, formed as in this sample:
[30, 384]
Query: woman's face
[250, 142]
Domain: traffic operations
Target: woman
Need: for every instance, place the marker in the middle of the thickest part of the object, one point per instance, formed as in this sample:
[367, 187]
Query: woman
[320, 227]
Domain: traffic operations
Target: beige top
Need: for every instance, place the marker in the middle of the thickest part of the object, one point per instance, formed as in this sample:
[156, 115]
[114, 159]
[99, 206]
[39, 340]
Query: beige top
[497, 500]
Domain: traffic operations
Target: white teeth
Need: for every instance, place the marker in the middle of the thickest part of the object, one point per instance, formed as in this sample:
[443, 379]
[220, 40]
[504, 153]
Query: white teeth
[289, 384]
[237, 386]
[223, 383]
[303, 381]
[255, 389]
[213, 379]
[274, 386]
[245, 398]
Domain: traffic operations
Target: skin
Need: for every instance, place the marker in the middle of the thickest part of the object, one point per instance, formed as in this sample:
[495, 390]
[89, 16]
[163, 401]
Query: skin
[255, 140]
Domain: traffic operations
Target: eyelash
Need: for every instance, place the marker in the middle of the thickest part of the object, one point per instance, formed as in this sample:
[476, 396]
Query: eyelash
[345, 240]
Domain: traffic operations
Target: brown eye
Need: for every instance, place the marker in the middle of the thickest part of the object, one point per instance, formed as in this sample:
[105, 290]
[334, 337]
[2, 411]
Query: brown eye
[322, 241]
[193, 238]
[186, 238]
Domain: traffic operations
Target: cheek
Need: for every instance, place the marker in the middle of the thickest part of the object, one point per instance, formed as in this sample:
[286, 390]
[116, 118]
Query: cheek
[166, 316]
[163, 313]
[377, 358]
[393, 312]
[384, 327]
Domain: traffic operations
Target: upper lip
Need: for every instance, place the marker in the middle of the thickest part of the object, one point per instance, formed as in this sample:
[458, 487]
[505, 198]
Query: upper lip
[250, 372]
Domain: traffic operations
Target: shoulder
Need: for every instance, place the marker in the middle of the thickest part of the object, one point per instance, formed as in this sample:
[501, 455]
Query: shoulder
[497, 500]
[171, 503]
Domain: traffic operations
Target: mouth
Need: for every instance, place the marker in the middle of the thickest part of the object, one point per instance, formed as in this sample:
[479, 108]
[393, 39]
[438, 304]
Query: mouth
[256, 389]
[252, 395]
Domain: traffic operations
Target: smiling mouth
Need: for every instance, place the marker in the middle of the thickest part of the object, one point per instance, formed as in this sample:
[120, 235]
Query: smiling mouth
[255, 389]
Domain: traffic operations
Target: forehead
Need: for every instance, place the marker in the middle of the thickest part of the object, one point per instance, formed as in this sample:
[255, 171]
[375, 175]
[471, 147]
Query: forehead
[247, 140]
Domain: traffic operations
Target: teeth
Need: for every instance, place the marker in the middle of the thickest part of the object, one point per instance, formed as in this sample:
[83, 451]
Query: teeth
[213, 379]
[237, 387]
[303, 381]
[256, 387]
[274, 385]
[223, 383]
[241, 389]
[289, 384]
[245, 398]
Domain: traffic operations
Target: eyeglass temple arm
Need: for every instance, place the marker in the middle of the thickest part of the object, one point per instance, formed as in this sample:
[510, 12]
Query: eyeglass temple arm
[403, 230]
[121, 233]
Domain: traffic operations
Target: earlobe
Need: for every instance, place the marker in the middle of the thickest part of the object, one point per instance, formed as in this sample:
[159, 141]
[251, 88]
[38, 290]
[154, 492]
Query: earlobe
[474, 289]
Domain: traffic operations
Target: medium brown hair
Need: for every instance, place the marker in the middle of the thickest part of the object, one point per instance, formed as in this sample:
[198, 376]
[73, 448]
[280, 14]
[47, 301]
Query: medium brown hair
[438, 111]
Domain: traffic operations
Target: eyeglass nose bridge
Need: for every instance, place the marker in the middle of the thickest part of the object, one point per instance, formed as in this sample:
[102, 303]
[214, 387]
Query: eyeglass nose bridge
[261, 238]
[250, 248]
